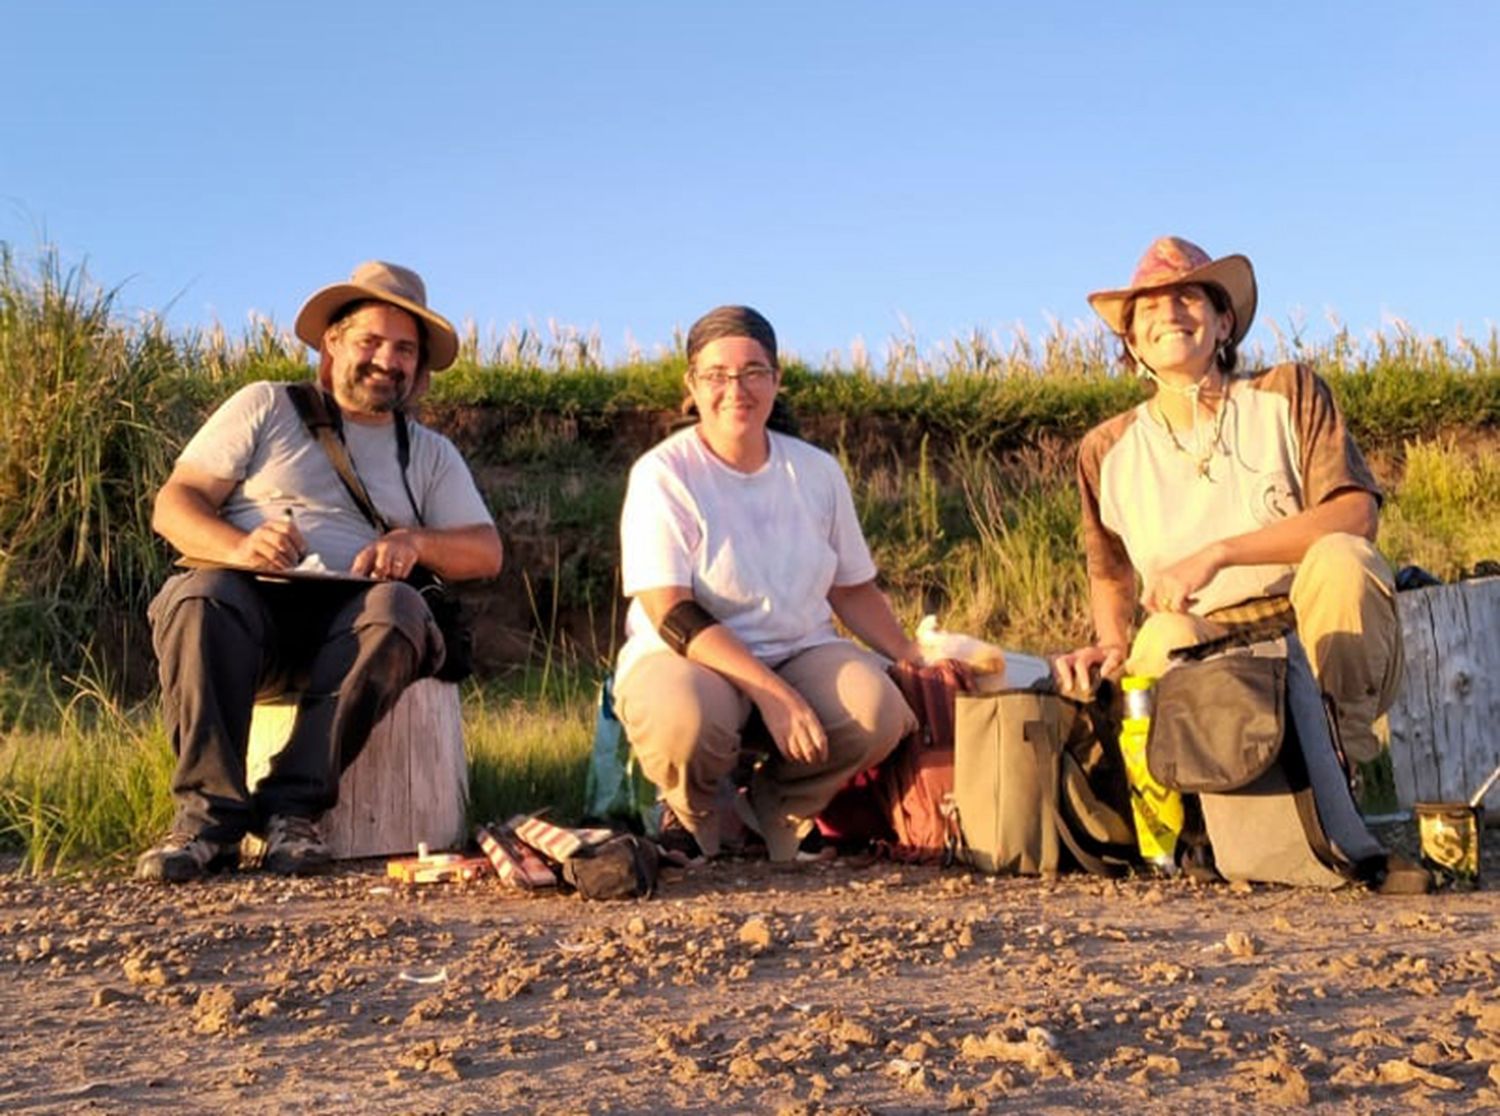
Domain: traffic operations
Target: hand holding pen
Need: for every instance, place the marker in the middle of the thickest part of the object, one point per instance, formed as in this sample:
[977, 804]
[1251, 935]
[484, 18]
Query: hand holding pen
[276, 544]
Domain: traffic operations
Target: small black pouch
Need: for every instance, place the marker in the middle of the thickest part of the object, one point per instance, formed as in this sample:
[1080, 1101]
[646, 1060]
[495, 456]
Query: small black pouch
[624, 867]
[448, 613]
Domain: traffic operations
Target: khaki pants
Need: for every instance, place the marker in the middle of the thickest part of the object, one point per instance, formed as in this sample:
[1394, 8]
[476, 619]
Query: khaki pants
[1344, 600]
[685, 723]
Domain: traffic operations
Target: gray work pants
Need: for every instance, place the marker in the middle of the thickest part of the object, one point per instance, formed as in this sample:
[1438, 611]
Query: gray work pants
[224, 639]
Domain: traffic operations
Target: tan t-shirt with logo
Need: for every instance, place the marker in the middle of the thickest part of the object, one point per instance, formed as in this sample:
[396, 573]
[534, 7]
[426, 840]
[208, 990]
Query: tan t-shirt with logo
[1149, 502]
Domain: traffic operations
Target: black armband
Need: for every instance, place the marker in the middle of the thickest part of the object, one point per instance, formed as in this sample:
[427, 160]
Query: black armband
[682, 623]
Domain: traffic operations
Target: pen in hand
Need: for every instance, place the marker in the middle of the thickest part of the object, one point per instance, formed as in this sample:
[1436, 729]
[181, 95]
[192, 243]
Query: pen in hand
[298, 543]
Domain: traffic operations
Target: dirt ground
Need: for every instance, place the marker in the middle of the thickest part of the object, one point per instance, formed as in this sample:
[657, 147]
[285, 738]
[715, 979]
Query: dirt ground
[846, 987]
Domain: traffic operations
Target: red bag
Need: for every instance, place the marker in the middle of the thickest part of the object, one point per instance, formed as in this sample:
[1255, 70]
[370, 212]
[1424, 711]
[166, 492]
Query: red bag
[916, 781]
[857, 814]
[906, 804]
[515, 862]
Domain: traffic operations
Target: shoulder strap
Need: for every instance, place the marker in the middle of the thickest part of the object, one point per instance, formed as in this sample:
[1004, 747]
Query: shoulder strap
[403, 458]
[323, 423]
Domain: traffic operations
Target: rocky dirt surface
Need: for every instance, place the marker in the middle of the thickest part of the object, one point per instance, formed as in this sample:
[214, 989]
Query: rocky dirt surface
[843, 987]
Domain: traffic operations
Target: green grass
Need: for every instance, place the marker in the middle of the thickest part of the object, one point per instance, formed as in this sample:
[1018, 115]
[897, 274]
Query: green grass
[81, 449]
[91, 789]
[1445, 514]
[526, 753]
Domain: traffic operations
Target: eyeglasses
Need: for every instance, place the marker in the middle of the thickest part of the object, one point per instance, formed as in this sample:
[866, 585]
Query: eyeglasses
[751, 376]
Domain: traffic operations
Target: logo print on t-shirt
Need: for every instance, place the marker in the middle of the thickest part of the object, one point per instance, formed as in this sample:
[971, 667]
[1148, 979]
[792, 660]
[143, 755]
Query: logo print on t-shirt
[1274, 499]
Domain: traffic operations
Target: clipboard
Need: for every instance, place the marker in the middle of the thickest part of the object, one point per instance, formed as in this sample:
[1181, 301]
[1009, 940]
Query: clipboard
[293, 574]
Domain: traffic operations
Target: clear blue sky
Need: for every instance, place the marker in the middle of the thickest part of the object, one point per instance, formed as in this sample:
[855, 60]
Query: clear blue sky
[841, 166]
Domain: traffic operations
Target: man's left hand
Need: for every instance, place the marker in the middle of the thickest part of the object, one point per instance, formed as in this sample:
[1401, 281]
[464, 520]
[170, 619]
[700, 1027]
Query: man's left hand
[391, 557]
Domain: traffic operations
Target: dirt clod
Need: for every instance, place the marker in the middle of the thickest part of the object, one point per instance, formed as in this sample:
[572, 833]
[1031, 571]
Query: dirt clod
[104, 997]
[756, 933]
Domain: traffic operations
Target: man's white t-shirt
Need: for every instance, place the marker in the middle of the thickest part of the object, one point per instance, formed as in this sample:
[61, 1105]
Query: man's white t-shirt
[759, 550]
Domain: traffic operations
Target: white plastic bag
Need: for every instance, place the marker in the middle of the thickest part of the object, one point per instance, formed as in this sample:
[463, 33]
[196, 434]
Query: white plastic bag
[994, 668]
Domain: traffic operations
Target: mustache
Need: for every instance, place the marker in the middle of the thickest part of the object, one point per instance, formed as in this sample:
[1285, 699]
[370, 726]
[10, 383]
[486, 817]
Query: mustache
[368, 367]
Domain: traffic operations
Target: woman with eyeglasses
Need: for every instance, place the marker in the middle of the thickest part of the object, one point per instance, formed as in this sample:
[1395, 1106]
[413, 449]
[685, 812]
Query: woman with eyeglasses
[739, 546]
[1235, 497]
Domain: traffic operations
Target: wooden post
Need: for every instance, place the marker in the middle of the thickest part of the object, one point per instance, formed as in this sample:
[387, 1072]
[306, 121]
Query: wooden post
[1445, 724]
[410, 785]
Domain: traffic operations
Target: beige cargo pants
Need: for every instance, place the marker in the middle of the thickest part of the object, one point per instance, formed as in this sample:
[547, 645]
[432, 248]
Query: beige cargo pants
[685, 724]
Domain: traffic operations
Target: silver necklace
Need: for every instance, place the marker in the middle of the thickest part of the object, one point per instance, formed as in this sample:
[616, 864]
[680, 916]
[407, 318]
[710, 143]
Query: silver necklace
[1204, 460]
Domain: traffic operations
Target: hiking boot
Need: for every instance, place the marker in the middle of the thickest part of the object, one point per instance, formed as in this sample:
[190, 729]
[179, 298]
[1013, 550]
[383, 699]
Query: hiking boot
[180, 857]
[676, 840]
[294, 847]
[1400, 876]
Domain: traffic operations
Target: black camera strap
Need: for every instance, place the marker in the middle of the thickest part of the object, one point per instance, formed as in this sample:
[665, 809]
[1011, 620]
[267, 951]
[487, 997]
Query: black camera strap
[321, 416]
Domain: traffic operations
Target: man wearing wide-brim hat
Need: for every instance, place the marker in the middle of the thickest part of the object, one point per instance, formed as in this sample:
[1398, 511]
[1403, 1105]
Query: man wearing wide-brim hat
[1231, 499]
[302, 509]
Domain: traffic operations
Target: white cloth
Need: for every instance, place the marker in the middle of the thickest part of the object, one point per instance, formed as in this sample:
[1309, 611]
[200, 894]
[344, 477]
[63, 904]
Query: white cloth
[759, 550]
[257, 439]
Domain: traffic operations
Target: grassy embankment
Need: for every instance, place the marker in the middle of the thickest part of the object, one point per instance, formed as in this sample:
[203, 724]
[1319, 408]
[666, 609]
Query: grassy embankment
[960, 461]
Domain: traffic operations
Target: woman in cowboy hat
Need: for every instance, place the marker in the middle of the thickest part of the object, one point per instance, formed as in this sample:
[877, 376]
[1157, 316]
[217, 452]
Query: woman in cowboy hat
[1230, 498]
[739, 545]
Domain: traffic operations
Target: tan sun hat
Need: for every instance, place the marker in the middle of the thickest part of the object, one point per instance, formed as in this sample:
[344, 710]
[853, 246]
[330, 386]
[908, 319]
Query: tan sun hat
[1172, 261]
[384, 282]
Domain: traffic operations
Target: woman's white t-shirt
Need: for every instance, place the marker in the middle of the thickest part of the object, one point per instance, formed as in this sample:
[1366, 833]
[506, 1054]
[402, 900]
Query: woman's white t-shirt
[759, 550]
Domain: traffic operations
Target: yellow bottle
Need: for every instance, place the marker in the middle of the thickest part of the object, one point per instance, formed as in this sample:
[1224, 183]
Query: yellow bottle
[1157, 810]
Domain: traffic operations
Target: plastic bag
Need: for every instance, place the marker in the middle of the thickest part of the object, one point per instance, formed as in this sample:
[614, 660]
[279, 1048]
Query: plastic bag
[615, 788]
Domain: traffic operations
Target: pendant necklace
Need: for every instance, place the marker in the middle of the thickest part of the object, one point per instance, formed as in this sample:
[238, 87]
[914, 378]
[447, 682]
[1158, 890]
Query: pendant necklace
[1206, 456]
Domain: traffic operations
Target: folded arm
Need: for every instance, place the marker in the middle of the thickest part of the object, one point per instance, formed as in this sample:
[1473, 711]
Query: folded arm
[1352, 511]
[453, 553]
[794, 727]
[187, 515]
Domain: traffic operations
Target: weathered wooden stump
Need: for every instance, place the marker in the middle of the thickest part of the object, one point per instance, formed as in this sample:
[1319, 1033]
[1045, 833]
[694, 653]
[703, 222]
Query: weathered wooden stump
[1445, 725]
[410, 784]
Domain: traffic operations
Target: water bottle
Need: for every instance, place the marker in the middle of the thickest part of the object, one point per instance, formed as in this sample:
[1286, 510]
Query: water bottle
[1157, 811]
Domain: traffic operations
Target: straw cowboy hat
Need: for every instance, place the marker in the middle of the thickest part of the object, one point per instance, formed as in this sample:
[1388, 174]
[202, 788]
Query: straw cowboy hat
[1172, 261]
[384, 282]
